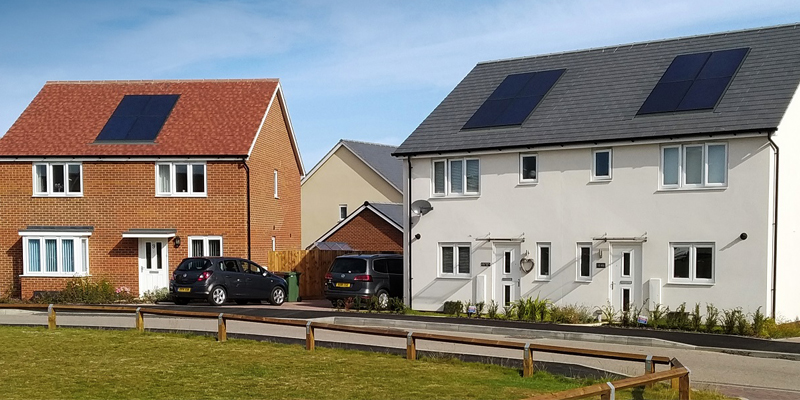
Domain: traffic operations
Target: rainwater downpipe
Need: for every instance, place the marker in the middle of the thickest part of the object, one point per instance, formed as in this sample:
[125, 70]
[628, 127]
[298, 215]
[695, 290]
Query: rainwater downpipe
[775, 226]
[247, 174]
[410, 238]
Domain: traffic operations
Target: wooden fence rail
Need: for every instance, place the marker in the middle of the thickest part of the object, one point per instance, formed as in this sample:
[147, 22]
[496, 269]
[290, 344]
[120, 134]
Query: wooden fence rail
[678, 374]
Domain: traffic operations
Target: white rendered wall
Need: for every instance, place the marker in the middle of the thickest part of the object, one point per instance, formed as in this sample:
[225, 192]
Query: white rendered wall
[565, 208]
[788, 276]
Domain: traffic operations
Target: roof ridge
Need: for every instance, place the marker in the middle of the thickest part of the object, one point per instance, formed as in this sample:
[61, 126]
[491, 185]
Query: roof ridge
[80, 82]
[646, 42]
[363, 142]
[384, 203]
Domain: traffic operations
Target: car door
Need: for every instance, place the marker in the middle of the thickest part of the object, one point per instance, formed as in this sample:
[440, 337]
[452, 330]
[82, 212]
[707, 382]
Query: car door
[396, 277]
[233, 277]
[258, 285]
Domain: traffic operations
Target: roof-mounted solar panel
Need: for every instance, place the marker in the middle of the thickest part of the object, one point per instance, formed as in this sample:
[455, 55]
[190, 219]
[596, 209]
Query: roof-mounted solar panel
[514, 99]
[138, 118]
[694, 82]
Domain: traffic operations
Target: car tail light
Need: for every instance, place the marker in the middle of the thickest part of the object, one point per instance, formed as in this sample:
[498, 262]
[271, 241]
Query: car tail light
[365, 278]
[205, 275]
[328, 276]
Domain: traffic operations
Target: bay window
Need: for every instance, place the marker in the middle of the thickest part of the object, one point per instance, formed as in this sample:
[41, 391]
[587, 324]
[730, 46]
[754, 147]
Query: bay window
[55, 255]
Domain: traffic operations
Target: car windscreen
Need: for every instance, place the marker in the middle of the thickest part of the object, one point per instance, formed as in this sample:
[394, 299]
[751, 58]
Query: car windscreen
[194, 264]
[349, 266]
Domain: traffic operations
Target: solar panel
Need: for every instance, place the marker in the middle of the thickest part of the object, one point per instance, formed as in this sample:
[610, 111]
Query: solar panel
[694, 82]
[138, 118]
[514, 99]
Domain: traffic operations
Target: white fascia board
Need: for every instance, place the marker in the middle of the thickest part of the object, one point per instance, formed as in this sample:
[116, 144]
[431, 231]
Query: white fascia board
[321, 162]
[117, 159]
[620, 143]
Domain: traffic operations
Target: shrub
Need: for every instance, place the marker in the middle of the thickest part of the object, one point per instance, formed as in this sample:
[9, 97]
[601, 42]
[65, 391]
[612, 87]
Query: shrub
[540, 309]
[154, 296]
[491, 311]
[695, 319]
[357, 302]
[570, 314]
[712, 316]
[522, 309]
[607, 312]
[349, 303]
[625, 316]
[452, 307]
[479, 307]
[678, 319]
[397, 305]
[508, 311]
[83, 290]
[742, 325]
[759, 323]
[730, 318]
[657, 315]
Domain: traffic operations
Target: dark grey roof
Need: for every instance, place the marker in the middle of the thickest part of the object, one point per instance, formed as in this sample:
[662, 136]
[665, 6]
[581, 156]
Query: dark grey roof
[602, 89]
[331, 246]
[393, 211]
[379, 157]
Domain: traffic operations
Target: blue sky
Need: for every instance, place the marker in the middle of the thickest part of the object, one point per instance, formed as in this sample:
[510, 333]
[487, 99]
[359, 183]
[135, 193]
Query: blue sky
[363, 70]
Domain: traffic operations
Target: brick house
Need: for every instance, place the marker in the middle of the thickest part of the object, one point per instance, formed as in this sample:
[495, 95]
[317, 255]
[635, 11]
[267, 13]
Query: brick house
[372, 227]
[120, 180]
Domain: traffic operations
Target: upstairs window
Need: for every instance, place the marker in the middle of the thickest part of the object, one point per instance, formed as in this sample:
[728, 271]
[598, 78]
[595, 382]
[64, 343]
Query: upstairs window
[342, 211]
[456, 177]
[601, 165]
[181, 179]
[694, 166]
[275, 183]
[57, 179]
[528, 168]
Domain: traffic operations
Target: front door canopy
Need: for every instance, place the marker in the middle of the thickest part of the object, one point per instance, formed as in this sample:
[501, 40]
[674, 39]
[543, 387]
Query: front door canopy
[150, 233]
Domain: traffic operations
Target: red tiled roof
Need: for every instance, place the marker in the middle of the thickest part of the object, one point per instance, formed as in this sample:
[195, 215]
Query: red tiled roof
[211, 118]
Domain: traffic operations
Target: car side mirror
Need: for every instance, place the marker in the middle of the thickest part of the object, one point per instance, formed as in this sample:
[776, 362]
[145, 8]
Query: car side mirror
[265, 273]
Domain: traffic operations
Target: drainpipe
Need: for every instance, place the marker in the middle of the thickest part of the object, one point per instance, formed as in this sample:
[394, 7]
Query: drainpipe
[247, 174]
[775, 226]
[410, 238]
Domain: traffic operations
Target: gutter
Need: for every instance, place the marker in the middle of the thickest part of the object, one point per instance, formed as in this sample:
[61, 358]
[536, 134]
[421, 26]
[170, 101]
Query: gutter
[247, 174]
[775, 225]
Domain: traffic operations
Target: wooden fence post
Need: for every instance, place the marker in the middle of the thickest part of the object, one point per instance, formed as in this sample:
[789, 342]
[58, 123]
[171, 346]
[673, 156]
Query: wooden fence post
[411, 346]
[222, 329]
[649, 368]
[139, 319]
[51, 317]
[309, 337]
[527, 361]
[684, 392]
[673, 383]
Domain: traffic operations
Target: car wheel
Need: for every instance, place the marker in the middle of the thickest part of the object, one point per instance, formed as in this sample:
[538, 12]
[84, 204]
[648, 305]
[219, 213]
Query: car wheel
[383, 299]
[278, 296]
[217, 296]
[181, 301]
[241, 302]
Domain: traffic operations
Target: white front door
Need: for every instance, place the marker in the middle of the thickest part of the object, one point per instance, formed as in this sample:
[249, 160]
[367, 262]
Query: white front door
[153, 265]
[506, 273]
[626, 276]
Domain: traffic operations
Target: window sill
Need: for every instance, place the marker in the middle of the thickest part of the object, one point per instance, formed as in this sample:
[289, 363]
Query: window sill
[182, 195]
[680, 283]
[583, 281]
[691, 189]
[452, 197]
[528, 183]
[599, 180]
[57, 195]
[541, 280]
[54, 275]
[455, 277]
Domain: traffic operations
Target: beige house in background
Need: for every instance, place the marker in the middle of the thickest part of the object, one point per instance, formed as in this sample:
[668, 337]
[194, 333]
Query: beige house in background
[350, 174]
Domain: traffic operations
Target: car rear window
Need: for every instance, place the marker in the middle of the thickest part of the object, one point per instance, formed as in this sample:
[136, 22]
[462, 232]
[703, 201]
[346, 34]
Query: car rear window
[194, 264]
[349, 266]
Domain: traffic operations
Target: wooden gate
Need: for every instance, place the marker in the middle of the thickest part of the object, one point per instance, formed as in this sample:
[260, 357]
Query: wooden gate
[312, 265]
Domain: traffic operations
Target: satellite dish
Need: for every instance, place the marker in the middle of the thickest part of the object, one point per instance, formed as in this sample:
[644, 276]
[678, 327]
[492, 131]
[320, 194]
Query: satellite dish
[421, 207]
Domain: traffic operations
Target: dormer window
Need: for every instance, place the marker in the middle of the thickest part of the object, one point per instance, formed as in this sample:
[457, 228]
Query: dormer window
[57, 179]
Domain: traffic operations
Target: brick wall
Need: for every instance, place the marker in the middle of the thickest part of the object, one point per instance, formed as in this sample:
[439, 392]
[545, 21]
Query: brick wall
[369, 232]
[121, 196]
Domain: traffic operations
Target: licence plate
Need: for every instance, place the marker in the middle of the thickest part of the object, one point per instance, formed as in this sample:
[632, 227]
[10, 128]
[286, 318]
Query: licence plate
[184, 289]
[340, 284]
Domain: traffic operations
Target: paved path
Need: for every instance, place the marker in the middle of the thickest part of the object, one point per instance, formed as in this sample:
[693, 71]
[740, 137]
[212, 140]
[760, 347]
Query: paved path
[736, 375]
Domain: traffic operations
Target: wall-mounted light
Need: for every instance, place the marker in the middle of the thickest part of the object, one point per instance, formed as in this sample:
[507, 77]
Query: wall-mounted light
[177, 241]
[743, 236]
[417, 236]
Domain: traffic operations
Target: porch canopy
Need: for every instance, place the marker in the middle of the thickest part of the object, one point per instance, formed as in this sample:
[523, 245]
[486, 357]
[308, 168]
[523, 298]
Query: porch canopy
[57, 231]
[150, 233]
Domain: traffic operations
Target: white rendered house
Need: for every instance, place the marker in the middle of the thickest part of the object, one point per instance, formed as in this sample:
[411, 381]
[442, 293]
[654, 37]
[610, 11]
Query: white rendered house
[651, 172]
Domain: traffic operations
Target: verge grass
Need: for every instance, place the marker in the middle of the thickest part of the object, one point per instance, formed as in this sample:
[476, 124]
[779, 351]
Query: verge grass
[37, 363]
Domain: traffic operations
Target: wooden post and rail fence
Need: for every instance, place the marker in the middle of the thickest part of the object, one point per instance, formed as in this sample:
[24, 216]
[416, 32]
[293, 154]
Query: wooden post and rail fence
[678, 374]
[311, 264]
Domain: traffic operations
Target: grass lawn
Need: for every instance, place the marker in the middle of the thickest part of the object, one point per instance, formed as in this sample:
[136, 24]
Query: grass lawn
[36, 363]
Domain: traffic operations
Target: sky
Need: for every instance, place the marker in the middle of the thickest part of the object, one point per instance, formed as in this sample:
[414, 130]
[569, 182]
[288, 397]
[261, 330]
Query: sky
[368, 70]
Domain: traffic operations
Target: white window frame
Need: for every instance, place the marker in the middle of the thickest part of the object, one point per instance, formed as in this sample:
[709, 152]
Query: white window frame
[682, 167]
[447, 169]
[189, 184]
[578, 276]
[80, 252]
[523, 179]
[342, 216]
[205, 240]
[693, 279]
[275, 183]
[602, 178]
[456, 251]
[539, 247]
[49, 192]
